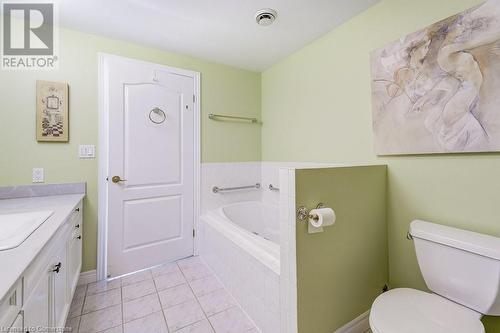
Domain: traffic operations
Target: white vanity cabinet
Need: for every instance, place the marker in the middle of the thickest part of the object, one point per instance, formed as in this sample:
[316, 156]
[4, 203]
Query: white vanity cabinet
[49, 282]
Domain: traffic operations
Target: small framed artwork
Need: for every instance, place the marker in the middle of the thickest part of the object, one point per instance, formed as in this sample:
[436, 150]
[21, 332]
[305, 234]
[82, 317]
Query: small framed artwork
[52, 111]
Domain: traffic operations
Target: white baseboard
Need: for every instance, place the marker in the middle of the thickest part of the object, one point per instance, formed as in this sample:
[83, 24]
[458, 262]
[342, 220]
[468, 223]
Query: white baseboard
[87, 277]
[359, 325]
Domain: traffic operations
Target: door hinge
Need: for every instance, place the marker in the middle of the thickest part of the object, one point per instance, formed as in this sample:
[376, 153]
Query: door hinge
[194, 98]
[194, 233]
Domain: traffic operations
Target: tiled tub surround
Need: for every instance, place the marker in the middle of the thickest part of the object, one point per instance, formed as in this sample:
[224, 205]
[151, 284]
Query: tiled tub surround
[183, 297]
[288, 276]
[228, 175]
[252, 277]
[243, 173]
[270, 175]
[249, 270]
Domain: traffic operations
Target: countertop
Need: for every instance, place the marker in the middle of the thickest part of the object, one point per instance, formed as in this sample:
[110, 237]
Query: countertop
[14, 262]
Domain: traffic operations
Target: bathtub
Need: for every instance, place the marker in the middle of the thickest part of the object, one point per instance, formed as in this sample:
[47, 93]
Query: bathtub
[240, 243]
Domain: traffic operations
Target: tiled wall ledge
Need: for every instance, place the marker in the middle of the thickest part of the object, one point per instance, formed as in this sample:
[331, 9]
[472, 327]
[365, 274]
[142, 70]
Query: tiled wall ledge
[228, 175]
[26, 191]
[241, 174]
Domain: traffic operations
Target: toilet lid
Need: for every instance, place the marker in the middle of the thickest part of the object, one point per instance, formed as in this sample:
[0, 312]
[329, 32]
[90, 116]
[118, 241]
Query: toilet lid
[412, 311]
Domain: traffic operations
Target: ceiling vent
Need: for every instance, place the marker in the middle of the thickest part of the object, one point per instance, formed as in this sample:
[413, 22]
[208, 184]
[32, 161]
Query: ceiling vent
[266, 16]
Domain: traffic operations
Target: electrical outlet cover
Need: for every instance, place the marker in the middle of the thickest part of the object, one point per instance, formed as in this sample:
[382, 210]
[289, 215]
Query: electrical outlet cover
[38, 175]
[86, 151]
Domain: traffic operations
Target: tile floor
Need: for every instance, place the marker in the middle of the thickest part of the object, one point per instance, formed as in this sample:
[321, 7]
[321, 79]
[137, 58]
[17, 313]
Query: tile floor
[183, 297]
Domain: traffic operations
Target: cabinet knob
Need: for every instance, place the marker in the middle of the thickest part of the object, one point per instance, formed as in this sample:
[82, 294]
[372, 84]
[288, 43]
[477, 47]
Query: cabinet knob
[77, 210]
[57, 267]
[79, 237]
[77, 226]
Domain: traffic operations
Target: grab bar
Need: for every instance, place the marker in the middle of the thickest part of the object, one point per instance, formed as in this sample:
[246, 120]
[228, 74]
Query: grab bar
[217, 189]
[272, 188]
[214, 116]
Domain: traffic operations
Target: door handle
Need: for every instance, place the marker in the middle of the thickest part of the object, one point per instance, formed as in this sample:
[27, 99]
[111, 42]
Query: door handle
[117, 179]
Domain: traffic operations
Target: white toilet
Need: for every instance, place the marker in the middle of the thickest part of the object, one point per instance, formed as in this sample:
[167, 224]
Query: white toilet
[461, 268]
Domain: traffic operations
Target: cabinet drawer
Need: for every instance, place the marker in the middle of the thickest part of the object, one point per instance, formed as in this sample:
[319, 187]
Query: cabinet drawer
[76, 216]
[11, 305]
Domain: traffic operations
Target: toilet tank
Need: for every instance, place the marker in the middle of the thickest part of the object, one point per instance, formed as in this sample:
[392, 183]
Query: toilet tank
[460, 265]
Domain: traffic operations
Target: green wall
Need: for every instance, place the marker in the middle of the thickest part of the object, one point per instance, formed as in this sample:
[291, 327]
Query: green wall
[316, 106]
[342, 270]
[224, 90]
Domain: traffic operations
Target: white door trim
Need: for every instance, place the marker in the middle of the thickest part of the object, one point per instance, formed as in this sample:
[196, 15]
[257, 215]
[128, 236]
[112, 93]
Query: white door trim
[102, 209]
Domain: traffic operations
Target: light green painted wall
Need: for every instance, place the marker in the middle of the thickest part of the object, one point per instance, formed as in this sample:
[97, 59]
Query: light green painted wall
[224, 90]
[316, 106]
[342, 270]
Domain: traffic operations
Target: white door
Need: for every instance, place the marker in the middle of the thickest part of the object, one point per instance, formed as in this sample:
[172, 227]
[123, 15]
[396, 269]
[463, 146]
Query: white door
[151, 167]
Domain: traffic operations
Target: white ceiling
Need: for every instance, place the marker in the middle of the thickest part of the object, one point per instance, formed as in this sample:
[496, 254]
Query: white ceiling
[223, 31]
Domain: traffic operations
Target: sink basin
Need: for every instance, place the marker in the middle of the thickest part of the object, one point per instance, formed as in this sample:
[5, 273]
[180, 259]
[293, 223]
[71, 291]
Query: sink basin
[16, 228]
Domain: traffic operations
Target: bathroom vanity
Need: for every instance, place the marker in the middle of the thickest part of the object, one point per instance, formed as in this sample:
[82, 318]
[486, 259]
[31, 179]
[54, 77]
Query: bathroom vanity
[39, 276]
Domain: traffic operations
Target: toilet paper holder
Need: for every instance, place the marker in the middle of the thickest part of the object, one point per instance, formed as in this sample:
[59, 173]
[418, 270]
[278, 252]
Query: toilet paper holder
[303, 212]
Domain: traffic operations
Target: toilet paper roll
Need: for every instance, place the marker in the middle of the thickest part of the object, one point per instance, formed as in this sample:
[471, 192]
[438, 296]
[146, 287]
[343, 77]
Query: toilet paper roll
[322, 217]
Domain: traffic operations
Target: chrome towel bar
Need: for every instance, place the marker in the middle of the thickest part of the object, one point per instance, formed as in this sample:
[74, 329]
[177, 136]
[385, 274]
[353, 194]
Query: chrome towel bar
[214, 116]
[217, 189]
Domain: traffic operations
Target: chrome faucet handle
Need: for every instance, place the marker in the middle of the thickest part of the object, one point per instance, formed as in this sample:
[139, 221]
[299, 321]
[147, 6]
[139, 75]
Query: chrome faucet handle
[272, 188]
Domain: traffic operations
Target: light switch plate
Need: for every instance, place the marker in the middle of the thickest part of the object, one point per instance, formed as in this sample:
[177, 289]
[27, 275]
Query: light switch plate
[38, 175]
[86, 151]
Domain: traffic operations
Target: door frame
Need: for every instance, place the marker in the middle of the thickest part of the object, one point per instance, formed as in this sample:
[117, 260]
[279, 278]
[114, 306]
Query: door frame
[102, 208]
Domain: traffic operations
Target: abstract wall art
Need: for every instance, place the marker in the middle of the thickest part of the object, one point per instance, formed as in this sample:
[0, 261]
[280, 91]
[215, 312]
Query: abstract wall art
[438, 90]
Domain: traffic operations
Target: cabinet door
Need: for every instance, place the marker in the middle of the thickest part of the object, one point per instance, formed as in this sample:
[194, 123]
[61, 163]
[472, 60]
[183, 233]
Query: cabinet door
[36, 309]
[74, 261]
[59, 275]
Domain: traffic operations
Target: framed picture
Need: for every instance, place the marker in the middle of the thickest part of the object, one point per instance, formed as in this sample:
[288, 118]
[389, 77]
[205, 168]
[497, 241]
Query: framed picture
[437, 90]
[52, 111]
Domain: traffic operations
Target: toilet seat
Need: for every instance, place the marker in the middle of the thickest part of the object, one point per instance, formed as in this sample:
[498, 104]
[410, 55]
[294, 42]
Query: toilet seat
[412, 311]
